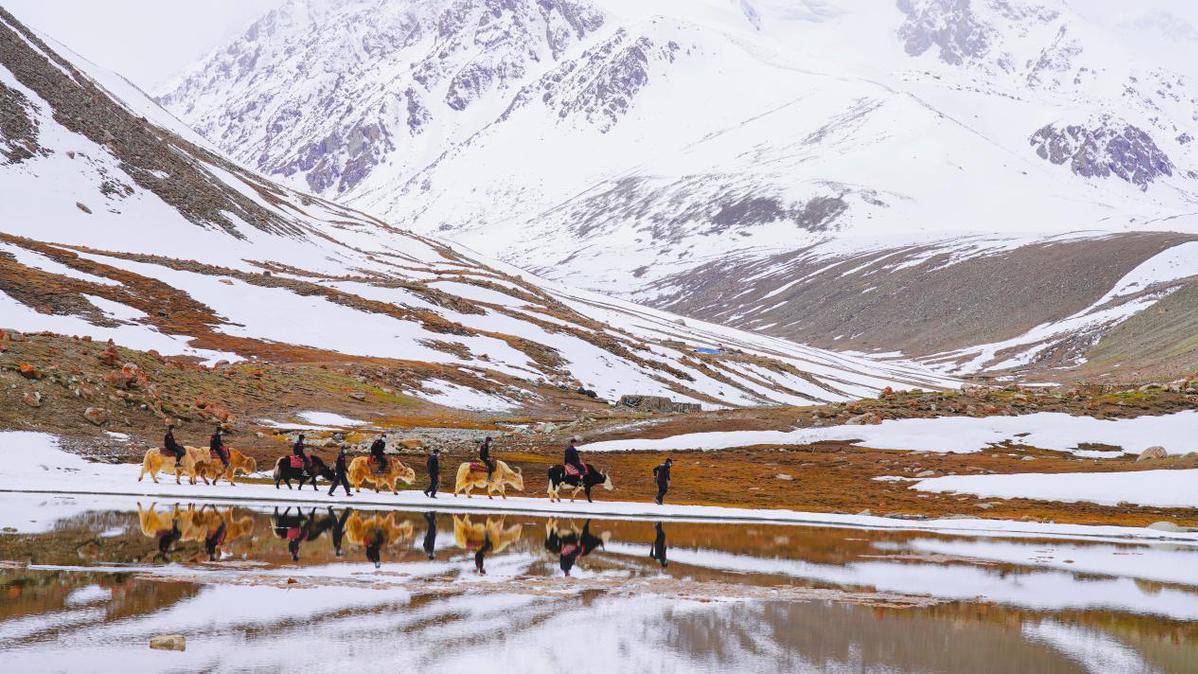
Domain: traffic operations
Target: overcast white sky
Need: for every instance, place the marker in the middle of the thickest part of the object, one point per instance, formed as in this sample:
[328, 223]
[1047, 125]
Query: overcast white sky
[149, 41]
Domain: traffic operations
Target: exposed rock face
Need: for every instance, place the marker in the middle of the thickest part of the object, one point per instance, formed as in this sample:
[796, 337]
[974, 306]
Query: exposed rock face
[18, 130]
[948, 25]
[1104, 147]
[96, 415]
[389, 72]
[658, 404]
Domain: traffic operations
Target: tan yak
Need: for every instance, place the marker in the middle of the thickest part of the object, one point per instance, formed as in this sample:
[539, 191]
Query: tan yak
[214, 469]
[473, 475]
[154, 523]
[376, 533]
[360, 471]
[155, 461]
[469, 535]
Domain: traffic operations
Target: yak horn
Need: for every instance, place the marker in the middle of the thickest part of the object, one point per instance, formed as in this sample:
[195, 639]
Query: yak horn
[519, 470]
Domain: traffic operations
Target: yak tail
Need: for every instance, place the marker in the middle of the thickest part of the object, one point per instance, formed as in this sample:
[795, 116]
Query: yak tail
[278, 470]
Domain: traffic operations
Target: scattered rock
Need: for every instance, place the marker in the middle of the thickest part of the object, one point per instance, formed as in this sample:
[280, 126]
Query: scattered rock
[1027, 458]
[1151, 453]
[33, 398]
[96, 415]
[784, 476]
[28, 371]
[985, 506]
[865, 513]
[1167, 526]
[169, 642]
[358, 395]
[926, 473]
[906, 516]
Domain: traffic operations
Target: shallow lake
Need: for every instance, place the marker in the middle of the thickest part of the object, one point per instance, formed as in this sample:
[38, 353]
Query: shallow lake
[87, 581]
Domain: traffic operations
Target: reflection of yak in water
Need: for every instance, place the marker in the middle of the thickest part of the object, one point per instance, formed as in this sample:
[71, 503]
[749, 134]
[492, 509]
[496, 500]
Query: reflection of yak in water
[484, 537]
[469, 535]
[299, 528]
[571, 544]
[206, 525]
[377, 532]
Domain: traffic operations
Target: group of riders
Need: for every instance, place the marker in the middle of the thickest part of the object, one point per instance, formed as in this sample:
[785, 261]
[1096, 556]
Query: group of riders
[575, 467]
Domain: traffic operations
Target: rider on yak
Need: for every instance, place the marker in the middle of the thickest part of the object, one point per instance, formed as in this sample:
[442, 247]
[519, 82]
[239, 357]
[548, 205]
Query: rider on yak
[573, 459]
[216, 447]
[484, 456]
[377, 455]
[170, 445]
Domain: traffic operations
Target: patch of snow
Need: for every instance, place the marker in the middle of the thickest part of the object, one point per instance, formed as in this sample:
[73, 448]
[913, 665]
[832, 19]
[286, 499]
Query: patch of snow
[1157, 488]
[1045, 430]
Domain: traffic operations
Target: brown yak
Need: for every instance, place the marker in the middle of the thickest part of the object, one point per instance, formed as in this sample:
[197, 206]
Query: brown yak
[156, 461]
[469, 535]
[214, 469]
[473, 475]
[360, 471]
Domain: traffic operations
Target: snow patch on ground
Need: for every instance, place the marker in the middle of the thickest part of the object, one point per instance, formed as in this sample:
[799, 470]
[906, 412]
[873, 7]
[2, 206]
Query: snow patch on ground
[1046, 430]
[1159, 488]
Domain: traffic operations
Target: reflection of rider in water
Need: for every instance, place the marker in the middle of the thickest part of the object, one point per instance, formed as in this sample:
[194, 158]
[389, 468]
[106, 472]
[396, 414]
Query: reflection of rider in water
[168, 538]
[658, 551]
[213, 541]
[339, 528]
[297, 535]
[576, 546]
[430, 534]
[374, 547]
[480, 556]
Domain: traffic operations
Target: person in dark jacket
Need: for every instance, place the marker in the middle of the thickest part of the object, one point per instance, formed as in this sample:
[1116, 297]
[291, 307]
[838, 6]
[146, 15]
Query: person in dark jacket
[434, 473]
[298, 450]
[216, 445]
[484, 455]
[662, 475]
[658, 551]
[341, 472]
[430, 535]
[573, 457]
[378, 450]
[169, 443]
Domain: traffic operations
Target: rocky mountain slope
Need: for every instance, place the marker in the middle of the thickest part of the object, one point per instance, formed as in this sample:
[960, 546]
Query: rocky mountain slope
[119, 224]
[632, 147]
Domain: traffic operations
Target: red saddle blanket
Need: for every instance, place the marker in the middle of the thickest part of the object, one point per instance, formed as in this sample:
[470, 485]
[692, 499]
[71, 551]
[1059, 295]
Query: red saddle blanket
[571, 471]
[166, 452]
[296, 461]
[478, 466]
[214, 454]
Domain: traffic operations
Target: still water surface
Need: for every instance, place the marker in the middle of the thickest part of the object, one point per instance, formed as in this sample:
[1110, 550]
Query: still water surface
[86, 583]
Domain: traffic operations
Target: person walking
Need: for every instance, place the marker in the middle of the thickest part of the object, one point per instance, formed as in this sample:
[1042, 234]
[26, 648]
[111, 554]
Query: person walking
[662, 475]
[434, 473]
[341, 473]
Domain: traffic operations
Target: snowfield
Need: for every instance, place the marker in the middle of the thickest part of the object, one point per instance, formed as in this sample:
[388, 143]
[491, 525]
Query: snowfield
[1045, 430]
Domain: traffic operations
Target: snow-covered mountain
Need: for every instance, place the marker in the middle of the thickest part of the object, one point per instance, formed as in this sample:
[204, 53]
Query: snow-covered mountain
[117, 222]
[630, 146]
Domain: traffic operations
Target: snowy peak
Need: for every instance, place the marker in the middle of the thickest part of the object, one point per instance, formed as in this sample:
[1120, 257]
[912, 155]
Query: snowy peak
[116, 226]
